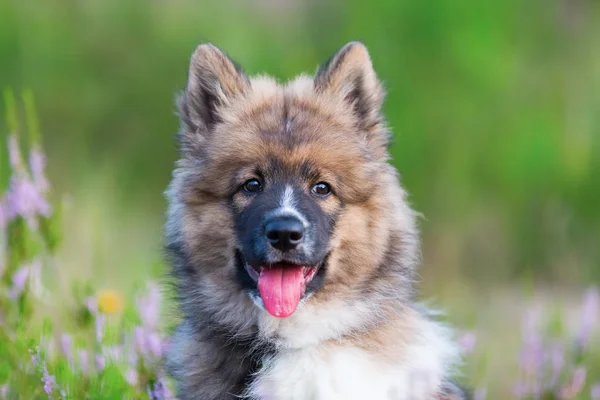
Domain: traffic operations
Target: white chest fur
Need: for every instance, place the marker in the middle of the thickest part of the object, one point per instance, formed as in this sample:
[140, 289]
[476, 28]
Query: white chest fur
[336, 372]
[315, 363]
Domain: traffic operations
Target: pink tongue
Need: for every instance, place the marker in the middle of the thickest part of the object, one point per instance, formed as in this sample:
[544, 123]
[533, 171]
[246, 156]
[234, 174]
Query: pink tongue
[281, 289]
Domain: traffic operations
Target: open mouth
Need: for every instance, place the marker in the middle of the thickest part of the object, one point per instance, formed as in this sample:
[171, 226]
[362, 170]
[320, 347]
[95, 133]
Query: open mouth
[281, 285]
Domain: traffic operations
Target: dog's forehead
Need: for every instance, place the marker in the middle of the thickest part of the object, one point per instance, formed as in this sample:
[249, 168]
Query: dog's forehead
[295, 109]
[286, 123]
[300, 144]
[287, 119]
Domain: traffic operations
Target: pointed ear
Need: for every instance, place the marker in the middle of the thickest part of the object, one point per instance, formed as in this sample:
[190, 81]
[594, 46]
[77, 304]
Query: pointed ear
[213, 80]
[350, 75]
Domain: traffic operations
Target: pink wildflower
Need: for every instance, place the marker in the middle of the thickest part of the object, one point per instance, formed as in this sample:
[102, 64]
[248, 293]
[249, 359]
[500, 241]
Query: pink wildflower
[37, 163]
[25, 196]
[595, 391]
[66, 344]
[467, 342]
[589, 316]
[131, 376]
[161, 391]
[149, 306]
[84, 362]
[3, 391]
[19, 281]
[574, 387]
[100, 362]
[14, 154]
[558, 361]
[49, 381]
[25, 200]
[99, 327]
[91, 304]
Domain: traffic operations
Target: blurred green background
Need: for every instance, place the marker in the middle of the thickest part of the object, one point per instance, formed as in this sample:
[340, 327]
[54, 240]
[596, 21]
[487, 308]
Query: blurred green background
[495, 107]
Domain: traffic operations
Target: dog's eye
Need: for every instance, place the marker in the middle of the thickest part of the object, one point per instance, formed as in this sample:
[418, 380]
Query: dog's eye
[252, 186]
[321, 189]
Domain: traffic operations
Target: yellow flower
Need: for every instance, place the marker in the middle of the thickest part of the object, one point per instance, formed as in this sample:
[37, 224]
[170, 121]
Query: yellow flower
[110, 301]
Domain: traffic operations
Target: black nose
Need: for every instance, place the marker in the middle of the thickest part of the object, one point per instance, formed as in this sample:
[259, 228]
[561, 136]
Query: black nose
[284, 233]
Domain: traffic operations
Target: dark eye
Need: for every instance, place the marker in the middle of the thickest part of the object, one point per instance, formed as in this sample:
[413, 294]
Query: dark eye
[321, 189]
[252, 186]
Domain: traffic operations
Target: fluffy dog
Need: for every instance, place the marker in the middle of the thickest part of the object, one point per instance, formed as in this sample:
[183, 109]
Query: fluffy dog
[292, 243]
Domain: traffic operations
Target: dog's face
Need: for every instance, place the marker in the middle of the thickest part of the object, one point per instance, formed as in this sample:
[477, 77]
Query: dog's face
[284, 216]
[282, 191]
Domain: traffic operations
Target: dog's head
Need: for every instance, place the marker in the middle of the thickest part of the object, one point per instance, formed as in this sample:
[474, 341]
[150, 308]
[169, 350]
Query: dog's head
[284, 191]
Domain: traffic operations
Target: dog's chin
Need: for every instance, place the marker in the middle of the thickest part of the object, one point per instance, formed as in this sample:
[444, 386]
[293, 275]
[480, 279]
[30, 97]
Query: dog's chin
[291, 282]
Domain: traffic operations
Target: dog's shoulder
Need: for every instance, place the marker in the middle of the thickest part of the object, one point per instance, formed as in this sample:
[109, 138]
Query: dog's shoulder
[208, 365]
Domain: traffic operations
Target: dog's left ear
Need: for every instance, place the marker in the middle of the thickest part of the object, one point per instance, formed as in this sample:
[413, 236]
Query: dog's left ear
[350, 74]
[213, 81]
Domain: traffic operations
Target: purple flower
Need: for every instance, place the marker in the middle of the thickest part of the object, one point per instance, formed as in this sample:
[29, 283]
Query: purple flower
[24, 199]
[4, 391]
[589, 316]
[140, 340]
[99, 327]
[84, 362]
[574, 387]
[148, 342]
[579, 378]
[31, 274]
[558, 361]
[532, 352]
[100, 362]
[154, 343]
[35, 357]
[66, 344]
[49, 381]
[14, 154]
[131, 376]
[595, 391]
[25, 195]
[91, 304]
[37, 163]
[149, 306]
[19, 280]
[161, 391]
[467, 342]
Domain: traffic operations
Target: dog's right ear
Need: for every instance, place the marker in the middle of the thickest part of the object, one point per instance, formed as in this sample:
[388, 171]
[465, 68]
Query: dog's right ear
[349, 74]
[213, 81]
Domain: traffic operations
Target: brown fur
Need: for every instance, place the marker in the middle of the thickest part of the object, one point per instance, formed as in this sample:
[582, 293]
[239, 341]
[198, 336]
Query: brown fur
[324, 129]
